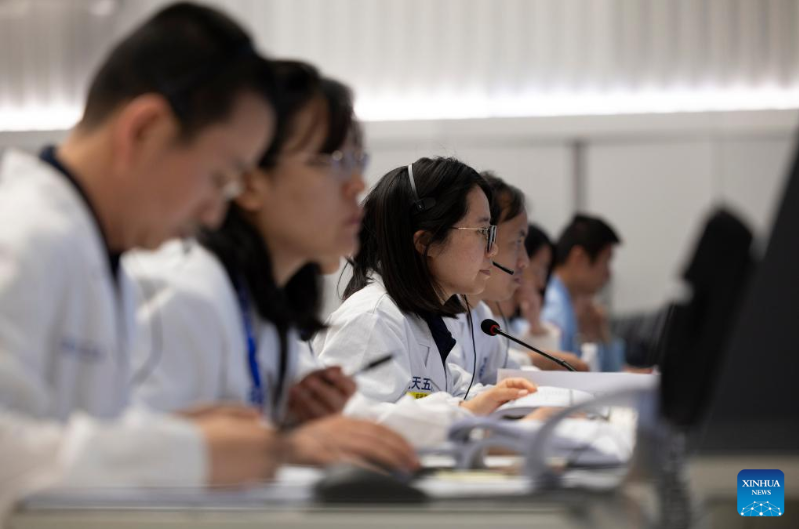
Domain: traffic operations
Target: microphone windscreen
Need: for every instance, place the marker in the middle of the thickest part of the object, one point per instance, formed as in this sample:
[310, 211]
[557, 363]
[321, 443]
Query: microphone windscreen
[490, 327]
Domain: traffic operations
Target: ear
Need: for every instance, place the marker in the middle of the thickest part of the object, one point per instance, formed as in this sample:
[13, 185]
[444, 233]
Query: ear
[421, 240]
[256, 184]
[142, 129]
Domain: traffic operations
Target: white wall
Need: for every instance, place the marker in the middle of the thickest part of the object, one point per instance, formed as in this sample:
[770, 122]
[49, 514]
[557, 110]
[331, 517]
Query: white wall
[750, 174]
[655, 193]
[654, 178]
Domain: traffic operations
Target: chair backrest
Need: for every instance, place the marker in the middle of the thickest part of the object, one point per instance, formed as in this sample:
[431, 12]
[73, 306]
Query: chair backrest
[697, 333]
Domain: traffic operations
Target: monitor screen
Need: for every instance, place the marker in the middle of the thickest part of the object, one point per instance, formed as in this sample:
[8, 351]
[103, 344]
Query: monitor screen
[755, 403]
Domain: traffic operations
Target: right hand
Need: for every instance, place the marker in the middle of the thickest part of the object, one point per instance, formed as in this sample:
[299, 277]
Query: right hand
[592, 320]
[320, 393]
[339, 439]
[492, 398]
[241, 448]
[530, 305]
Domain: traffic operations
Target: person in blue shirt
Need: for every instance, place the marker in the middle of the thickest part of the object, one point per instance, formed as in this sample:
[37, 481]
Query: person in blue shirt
[583, 255]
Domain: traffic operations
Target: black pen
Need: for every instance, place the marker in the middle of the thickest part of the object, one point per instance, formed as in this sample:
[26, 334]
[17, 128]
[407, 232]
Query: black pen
[373, 364]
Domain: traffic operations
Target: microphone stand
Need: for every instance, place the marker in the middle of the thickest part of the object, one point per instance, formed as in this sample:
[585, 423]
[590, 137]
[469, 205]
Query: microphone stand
[558, 361]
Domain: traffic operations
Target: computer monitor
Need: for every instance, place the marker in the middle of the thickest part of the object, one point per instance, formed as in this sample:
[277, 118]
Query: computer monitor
[754, 403]
[697, 331]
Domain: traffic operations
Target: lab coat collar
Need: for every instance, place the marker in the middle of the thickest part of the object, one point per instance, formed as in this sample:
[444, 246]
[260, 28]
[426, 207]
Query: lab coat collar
[48, 155]
[441, 335]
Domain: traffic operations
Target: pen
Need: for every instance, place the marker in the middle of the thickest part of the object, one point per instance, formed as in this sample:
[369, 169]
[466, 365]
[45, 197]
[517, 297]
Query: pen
[373, 364]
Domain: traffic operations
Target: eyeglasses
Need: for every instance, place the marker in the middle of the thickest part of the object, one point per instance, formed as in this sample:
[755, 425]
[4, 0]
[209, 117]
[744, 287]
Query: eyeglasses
[489, 232]
[342, 164]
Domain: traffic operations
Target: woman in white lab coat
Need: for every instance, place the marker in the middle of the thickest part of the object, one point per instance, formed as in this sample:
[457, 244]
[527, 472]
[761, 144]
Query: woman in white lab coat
[522, 312]
[475, 348]
[426, 239]
[497, 301]
[222, 313]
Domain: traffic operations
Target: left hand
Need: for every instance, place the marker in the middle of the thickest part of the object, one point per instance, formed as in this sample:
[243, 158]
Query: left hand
[321, 393]
[545, 364]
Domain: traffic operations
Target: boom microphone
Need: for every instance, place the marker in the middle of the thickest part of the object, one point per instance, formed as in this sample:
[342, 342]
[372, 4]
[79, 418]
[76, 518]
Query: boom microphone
[492, 328]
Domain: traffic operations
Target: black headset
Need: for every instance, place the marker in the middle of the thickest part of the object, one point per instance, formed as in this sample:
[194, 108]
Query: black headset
[474, 345]
[419, 205]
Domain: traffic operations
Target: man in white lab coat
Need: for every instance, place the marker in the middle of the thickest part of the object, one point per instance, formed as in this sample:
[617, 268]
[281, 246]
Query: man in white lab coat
[150, 159]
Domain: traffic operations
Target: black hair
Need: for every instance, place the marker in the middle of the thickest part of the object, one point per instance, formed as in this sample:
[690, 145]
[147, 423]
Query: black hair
[301, 84]
[390, 220]
[196, 57]
[341, 123]
[508, 200]
[590, 233]
[536, 240]
[239, 244]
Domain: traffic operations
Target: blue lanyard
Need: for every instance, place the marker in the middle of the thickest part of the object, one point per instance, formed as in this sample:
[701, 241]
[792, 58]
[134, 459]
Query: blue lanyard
[257, 391]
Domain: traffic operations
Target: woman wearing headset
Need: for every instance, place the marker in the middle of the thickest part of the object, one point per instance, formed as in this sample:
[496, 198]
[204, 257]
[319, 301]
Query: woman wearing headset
[426, 240]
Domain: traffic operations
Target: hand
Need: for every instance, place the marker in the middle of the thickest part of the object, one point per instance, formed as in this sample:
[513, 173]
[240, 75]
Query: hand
[241, 448]
[638, 370]
[489, 400]
[545, 364]
[321, 393]
[341, 439]
[530, 305]
[541, 414]
[214, 409]
[592, 321]
[545, 413]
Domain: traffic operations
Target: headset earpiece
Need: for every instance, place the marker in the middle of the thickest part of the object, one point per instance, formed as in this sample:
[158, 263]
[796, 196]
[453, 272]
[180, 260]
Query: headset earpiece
[424, 204]
[419, 205]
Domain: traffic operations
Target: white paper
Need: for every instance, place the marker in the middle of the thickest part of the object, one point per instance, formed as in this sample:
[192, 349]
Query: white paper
[546, 396]
[594, 383]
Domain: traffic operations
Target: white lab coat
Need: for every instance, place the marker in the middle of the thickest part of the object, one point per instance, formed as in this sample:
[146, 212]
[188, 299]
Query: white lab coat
[193, 345]
[191, 305]
[307, 361]
[423, 422]
[369, 325]
[65, 334]
[492, 352]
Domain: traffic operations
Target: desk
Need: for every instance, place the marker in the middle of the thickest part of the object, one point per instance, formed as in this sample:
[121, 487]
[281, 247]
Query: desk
[712, 481]
[543, 514]
[551, 509]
